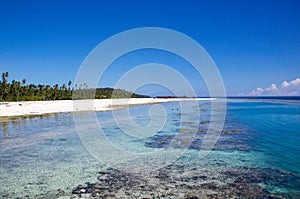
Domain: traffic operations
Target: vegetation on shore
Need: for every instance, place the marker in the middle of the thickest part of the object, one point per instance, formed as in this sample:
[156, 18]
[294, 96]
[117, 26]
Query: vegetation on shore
[20, 91]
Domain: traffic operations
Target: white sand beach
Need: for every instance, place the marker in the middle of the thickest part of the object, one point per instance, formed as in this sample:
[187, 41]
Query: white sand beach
[60, 106]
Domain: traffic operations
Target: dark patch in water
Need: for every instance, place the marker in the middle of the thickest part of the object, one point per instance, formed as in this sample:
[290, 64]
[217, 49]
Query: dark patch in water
[195, 140]
[191, 182]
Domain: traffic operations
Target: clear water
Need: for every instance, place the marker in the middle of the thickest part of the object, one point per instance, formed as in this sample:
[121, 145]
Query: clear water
[44, 157]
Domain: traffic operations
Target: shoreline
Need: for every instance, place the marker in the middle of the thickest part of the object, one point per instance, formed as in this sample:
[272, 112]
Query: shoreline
[24, 108]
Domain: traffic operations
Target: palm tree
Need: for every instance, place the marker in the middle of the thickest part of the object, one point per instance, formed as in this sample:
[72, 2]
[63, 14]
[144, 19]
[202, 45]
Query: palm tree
[55, 90]
[64, 91]
[41, 91]
[69, 84]
[12, 90]
[47, 92]
[23, 82]
[18, 88]
[3, 86]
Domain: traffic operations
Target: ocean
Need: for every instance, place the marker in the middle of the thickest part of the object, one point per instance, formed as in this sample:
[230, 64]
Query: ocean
[156, 151]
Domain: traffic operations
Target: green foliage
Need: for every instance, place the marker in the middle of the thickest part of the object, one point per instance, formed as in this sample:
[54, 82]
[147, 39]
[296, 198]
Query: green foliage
[20, 91]
[107, 93]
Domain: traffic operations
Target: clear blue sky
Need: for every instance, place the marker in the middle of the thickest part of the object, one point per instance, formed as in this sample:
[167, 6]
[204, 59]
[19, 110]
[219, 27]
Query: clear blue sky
[254, 43]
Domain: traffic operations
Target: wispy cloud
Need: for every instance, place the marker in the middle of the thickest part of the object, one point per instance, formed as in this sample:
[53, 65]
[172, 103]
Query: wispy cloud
[286, 88]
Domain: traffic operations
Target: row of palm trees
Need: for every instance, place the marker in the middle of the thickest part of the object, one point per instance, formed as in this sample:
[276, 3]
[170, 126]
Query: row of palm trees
[20, 91]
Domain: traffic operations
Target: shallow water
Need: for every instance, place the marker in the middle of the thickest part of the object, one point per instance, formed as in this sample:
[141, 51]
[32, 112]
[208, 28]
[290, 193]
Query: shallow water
[257, 152]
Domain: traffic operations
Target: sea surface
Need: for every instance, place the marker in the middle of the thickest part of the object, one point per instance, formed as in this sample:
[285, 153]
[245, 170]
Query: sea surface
[158, 151]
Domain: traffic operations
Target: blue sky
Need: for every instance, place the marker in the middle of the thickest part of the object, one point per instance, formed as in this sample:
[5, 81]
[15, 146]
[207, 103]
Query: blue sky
[254, 43]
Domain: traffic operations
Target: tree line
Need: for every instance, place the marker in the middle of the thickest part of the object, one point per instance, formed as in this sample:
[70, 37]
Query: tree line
[20, 91]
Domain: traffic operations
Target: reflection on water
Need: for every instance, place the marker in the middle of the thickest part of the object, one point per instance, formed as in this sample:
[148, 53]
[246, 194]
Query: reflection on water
[5, 129]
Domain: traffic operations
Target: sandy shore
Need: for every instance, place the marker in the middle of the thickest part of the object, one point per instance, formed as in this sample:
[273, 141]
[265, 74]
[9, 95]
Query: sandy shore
[60, 106]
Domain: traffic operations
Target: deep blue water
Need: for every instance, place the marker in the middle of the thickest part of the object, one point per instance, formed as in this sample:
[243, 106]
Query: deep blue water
[274, 129]
[44, 156]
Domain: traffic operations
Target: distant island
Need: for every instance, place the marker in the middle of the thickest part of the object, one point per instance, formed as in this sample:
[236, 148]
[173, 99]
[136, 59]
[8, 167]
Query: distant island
[20, 91]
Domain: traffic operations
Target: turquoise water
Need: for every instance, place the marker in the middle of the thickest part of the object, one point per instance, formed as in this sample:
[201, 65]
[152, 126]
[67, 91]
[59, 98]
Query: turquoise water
[257, 152]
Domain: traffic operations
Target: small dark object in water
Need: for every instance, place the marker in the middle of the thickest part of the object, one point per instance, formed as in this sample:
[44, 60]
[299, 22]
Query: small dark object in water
[204, 122]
